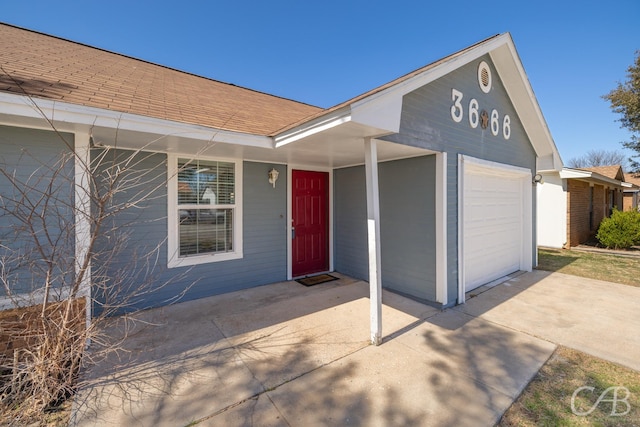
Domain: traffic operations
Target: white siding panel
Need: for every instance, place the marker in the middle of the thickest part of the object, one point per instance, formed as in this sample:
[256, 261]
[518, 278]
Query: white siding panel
[552, 211]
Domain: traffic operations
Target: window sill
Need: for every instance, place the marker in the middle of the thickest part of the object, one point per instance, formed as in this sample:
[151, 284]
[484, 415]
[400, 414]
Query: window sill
[203, 259]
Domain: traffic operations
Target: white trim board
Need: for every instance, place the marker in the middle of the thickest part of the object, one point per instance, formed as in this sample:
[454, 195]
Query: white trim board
[441, 228]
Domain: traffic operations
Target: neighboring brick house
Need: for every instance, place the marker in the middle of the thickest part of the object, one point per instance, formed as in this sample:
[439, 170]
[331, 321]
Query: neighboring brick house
[632, 194]
[573, 202]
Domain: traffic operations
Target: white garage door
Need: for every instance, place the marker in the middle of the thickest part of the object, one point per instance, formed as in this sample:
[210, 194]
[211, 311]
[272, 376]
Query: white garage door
[494, 222]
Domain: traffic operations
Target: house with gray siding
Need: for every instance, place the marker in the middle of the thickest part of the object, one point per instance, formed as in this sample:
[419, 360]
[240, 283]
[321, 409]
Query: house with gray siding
[423, 186]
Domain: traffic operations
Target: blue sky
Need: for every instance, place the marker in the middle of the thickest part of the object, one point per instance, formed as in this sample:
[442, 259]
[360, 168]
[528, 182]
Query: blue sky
[325, 52]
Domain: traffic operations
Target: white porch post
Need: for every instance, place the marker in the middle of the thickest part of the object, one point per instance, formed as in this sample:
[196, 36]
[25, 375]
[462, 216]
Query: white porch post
[373, 227]
[82, 212]
[441, 228]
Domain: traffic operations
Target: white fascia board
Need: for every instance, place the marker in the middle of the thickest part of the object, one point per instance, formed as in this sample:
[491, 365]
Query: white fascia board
[320, 124]
[384, 108]
[574, 173]
[74, 115]
[547, 171]
[521, 93]
[594, 176]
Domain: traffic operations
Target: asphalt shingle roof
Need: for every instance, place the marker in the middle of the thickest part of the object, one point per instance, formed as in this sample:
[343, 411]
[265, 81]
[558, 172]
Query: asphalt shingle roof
[632, 178]
[44, 66]
[612, 171]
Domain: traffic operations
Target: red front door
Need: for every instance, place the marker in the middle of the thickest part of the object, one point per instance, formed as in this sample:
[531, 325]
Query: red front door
[310, 215]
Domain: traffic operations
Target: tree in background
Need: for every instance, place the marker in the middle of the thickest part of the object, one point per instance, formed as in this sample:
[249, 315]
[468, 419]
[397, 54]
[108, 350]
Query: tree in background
[625, 100]
[595, 158]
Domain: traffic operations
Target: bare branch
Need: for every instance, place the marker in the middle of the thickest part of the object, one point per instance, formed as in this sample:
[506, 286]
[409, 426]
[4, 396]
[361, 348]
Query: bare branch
[594, 158]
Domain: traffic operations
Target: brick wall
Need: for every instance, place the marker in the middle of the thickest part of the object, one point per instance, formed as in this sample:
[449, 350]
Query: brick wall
[578, 196]
[628, 201]
[21, 327]
[600, 206]
[578, 208]
[619, 199]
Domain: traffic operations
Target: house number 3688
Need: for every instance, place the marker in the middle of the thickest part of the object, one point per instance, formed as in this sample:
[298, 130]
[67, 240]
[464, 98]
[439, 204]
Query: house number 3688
[478, 116]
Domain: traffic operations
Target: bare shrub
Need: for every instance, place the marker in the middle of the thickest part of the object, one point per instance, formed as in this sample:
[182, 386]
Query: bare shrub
[50, 281]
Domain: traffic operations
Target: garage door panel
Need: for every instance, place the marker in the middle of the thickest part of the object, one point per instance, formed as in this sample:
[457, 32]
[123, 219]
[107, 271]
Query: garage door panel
[493, 224]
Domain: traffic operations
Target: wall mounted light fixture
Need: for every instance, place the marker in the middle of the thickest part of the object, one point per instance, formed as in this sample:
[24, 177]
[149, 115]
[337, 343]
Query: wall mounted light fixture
[537, 179]
[273, 176]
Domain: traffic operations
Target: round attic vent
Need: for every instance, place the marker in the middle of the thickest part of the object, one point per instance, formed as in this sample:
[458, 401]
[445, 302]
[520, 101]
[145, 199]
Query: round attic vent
[484, 77]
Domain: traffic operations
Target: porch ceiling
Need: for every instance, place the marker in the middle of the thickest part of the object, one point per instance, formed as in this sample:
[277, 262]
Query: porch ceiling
[342, 146]
[339, 146]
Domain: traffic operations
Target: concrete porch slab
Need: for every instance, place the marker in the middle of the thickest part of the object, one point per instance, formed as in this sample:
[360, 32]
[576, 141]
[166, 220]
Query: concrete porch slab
[285, 354]
[403, 383]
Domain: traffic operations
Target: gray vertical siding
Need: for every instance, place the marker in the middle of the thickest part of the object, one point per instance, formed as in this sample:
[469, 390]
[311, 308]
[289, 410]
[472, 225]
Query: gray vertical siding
[426, 122]
[350, 222]
[407, 210]
[264, 241]
[41, 163]
[407, 226]
[131, 251]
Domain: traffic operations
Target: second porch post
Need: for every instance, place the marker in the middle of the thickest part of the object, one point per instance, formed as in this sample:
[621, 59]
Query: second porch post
[373, 229]
[82, 215]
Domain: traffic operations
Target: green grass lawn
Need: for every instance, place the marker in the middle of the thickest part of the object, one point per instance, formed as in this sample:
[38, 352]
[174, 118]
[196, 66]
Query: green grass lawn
[612, 268]
[546, 401]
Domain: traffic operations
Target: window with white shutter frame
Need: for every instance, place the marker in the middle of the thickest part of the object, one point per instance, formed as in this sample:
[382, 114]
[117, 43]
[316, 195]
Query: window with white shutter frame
[204, 210]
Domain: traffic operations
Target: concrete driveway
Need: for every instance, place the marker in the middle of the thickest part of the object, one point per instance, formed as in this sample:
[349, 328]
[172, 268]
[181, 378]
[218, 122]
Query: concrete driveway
[288, 355]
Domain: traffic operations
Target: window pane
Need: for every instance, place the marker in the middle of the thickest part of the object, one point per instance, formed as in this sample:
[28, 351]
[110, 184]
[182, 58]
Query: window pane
[206, 182]
[226, 183]
[205, 231]
[187, 184]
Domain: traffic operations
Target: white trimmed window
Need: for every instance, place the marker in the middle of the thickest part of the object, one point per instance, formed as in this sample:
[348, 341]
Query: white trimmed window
[205, 210]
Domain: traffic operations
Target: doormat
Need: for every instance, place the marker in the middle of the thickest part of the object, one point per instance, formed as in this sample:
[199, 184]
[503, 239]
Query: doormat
[316, 280]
